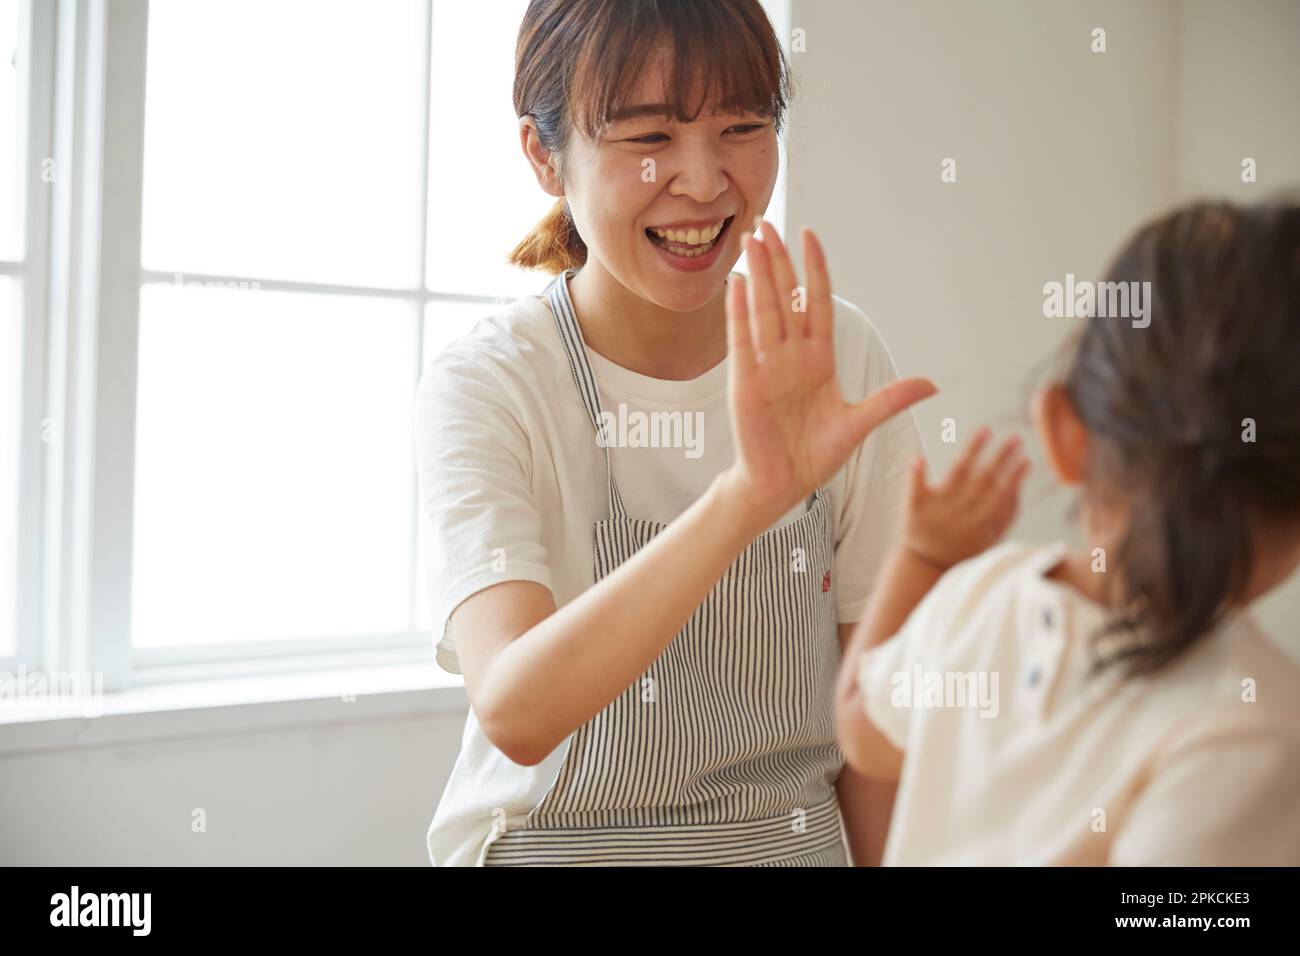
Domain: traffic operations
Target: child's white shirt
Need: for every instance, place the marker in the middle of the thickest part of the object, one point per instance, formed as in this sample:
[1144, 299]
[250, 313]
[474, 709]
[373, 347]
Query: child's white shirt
[1014, 755]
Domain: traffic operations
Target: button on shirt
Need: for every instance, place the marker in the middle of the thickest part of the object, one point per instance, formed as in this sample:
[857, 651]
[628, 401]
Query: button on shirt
[1042, 762]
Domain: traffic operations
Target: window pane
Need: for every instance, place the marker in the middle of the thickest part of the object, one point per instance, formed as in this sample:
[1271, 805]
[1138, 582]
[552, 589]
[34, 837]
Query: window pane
[283, 139]
[9, 386]
[273, 492]
[443, 321]
[483, 197]
[11, 137]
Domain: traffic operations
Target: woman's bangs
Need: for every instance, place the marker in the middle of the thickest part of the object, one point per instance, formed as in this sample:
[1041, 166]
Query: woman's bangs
[746, 74]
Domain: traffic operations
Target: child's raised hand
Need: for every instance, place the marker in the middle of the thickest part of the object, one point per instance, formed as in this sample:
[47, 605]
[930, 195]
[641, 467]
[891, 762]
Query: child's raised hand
[971, 509]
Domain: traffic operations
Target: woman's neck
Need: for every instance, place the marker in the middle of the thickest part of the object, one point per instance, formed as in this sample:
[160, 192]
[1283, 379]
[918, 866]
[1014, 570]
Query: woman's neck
[641, 336]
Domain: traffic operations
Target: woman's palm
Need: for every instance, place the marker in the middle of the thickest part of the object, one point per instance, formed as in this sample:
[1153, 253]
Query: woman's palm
[793, 429]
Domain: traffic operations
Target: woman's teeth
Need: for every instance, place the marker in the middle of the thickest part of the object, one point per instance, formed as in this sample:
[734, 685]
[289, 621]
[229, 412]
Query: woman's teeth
[688, 243]
[691, 237]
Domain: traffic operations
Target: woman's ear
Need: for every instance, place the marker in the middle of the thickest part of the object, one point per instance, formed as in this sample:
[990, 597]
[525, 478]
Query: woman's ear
[1063, 435]
[544, 162]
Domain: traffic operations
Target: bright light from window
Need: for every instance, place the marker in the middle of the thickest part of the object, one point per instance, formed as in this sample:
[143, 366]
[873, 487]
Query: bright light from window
[273, 466]
[446, 321]
[483, 198]
[11, 138]
[282, 140]
[12, 142]
[9, 379]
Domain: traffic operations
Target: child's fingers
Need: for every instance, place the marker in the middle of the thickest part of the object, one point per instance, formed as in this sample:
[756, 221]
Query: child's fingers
[1014, 471]
[962, 467]
[1004, 459]
[917, 486]
[1006, 491]
[1012, 480]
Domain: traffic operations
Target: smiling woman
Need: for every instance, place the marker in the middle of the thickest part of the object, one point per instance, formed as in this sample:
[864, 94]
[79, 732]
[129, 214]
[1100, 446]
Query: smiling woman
[603, 50]
[648, 637]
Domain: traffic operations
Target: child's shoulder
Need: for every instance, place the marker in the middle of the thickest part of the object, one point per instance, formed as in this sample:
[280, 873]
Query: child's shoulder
[989, 583]
[999, 570]
[1246, 666]
[1234, 689]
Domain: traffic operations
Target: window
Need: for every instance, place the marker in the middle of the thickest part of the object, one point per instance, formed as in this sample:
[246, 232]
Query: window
[305, 248]
[9, 378]
[301, 203]
[13, 145]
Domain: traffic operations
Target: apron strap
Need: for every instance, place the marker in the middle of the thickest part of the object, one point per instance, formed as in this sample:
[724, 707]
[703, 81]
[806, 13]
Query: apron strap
[566, 320]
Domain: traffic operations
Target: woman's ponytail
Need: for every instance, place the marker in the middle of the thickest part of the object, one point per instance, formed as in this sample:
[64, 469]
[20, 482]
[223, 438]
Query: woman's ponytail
[553, 245]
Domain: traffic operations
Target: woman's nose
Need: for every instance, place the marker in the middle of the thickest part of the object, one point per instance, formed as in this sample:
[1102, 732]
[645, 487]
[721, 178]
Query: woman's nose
[700, 175]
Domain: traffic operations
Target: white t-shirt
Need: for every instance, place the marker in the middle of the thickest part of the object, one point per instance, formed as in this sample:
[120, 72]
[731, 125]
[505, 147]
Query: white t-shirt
[512, 481]
[1197, 765]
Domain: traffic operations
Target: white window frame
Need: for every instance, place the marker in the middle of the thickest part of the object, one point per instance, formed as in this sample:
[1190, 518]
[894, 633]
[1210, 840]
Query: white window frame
[35, 110]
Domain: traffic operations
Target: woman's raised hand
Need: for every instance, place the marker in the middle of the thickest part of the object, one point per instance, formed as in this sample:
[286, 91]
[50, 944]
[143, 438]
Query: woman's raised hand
[791, 425]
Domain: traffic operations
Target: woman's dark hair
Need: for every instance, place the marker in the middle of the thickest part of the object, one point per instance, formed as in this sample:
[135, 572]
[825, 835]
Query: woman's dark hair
[576, 61]
[1195, 418]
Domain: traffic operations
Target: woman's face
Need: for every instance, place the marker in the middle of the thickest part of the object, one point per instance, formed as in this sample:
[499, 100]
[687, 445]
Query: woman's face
[650, 195]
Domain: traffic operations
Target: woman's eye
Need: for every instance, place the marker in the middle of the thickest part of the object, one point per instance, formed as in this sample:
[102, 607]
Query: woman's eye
[650, 139]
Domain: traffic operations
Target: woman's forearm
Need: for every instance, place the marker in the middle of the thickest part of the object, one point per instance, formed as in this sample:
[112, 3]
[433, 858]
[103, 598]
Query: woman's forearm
[567, 668]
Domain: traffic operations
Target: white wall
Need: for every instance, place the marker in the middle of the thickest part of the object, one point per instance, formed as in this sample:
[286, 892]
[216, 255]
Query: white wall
[1239, 95]
[1060, 153]
[340, 793]
[1239, 89]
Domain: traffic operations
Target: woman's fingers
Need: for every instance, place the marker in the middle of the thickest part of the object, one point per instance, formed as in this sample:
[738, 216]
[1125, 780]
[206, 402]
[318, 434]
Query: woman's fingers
[786, 281]
[764, 315]
[885, 403]
[739, 345]
[821, 309]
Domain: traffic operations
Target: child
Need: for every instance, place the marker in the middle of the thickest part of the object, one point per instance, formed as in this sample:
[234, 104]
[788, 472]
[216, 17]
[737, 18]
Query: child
[1114, 704]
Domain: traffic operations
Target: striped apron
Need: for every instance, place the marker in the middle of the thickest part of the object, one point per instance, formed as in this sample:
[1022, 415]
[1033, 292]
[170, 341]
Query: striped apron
[723, 753]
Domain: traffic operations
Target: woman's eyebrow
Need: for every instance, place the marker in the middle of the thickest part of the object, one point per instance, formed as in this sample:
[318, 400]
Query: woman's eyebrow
[665, 111]
[642, 109]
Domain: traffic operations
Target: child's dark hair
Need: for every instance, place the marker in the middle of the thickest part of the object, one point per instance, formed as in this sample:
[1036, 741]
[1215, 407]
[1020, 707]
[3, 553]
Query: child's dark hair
[576, 60]
[1194, 419]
